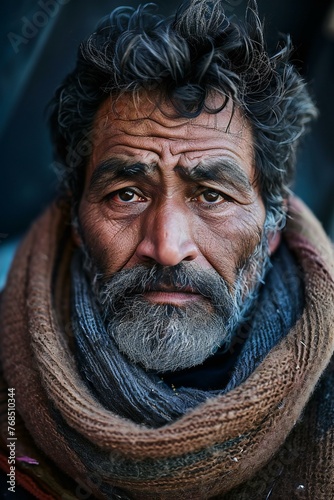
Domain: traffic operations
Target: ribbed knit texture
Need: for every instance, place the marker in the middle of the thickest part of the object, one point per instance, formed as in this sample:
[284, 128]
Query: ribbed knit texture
[222, 448]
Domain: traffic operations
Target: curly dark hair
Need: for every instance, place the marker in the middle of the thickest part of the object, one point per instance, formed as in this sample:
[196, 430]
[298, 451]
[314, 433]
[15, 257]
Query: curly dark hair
[186, 57]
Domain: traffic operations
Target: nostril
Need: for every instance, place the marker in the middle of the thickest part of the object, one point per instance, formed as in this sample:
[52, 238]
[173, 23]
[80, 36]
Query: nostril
[148, 260]
[189, 258]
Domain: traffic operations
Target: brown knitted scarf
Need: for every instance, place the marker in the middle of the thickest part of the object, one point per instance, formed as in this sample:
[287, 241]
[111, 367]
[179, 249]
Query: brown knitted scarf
[250, 451]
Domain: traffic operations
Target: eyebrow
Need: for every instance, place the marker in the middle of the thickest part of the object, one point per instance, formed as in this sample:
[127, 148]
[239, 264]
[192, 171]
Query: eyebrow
[220, 171]
[116, 169]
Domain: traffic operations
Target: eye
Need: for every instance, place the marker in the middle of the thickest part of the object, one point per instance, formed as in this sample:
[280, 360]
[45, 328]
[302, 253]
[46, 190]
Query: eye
[126, 195]
[211, 197]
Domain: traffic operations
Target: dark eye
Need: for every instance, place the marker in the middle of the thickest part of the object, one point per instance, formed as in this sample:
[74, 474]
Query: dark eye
[210, 196]
[126, 195]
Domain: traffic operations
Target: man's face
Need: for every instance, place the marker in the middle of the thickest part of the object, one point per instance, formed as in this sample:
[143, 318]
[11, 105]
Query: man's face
[169, 198]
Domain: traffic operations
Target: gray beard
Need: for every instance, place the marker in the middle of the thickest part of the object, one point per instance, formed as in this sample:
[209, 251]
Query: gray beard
[165, 337]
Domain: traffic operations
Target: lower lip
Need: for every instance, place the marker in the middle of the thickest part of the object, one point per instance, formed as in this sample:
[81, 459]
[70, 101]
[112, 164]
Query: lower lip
[176, 298]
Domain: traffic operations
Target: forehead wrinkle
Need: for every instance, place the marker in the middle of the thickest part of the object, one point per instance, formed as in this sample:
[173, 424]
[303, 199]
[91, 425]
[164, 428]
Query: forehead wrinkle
[170, 124]
[144, 124]
[176, 123]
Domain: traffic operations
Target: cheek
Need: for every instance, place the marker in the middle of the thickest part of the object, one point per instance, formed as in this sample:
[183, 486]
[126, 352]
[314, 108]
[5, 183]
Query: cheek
[227, 242]
[109, 244]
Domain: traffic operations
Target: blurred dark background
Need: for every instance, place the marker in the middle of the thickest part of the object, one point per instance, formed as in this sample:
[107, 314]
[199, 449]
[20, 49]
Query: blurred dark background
[38, 48]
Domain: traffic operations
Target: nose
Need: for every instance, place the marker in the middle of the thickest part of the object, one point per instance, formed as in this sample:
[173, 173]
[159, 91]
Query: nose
[167, 238]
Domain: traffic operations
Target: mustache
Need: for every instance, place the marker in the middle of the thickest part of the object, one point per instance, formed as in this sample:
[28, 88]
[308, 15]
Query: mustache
[127, 283]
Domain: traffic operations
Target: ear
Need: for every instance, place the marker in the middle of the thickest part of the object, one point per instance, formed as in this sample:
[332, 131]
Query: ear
[274, 240]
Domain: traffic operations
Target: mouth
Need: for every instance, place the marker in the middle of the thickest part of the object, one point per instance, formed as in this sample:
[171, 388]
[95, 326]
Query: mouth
[174, 296]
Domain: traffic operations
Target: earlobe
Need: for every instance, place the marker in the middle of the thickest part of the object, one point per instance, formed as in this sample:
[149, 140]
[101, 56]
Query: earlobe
[274, 239]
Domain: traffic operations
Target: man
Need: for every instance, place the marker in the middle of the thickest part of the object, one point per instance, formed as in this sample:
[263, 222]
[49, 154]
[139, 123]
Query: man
[163, 334]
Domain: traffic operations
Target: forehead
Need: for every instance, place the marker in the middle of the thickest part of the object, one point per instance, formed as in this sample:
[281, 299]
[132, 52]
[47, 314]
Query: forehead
[137, 126]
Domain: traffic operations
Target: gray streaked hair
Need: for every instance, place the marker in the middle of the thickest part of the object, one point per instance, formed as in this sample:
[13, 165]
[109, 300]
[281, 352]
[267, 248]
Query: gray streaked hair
[185, 58]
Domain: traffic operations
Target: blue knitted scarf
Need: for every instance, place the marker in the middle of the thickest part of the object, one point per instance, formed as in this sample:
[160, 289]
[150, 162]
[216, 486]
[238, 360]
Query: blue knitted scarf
[154, 400]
